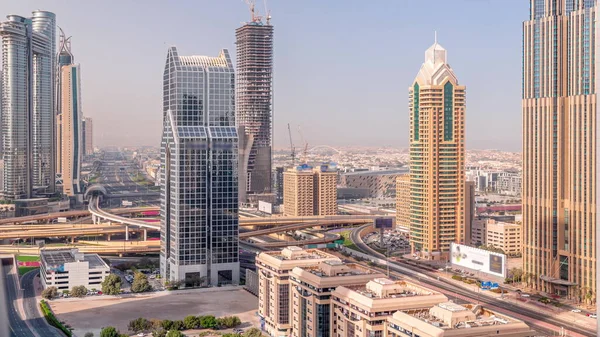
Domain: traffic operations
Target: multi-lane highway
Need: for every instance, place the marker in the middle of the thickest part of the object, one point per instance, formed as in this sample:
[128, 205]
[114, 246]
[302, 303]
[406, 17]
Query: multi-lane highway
[537, 319]
[30, 305]
[18, 327]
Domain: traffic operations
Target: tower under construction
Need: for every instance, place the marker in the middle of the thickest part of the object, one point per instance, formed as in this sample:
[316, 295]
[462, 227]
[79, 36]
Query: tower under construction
[254, 104]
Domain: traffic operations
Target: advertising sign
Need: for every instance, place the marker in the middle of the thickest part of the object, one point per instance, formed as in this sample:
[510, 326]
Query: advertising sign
[384, 223]
[61, 219]
[478, 259]
[265, 207]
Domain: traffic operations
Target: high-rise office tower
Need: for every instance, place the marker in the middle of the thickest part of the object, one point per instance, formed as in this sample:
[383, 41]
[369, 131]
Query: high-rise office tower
[199, 171]
[28, 78]
[437, 157]
[559, 147]
[88, 136]
[254, 104]
[65, 57]
[71, 144]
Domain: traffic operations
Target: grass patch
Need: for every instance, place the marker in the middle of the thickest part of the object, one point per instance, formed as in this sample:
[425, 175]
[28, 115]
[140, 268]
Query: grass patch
[27, 258]
[347, 242]
[25, 270]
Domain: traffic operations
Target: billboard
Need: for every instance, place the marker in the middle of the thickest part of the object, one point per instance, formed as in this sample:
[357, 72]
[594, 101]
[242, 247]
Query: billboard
[265, 207]
[478, 259]
[384, 222]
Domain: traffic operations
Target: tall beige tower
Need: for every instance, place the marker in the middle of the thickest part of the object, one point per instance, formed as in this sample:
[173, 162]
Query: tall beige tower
[437, 157]
[559, 148]
[70, 127]
[403, 201]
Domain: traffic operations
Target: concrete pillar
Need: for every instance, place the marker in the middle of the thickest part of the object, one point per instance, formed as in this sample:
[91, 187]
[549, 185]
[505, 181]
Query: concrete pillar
[93, 219]
[107, 237]
[72, 239]
[126, 233]
[145, 234]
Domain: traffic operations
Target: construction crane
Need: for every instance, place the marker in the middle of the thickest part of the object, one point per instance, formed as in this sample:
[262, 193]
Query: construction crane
[305, 150]
[292, 148]
[254, 13]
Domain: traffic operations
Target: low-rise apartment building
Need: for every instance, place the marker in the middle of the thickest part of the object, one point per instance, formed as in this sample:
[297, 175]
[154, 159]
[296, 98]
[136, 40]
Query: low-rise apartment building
[452, 320]
[361, 311]
[311, 289]
[67, 268]
[506, 236]
[273, 268]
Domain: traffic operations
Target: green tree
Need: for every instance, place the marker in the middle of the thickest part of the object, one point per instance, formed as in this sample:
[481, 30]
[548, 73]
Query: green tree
[78, 291]
[208, 322]
[50, 293]
[139, 325]
[140, 283]
[178, 325]
[110, 331]
[89, 334]
[228, 322]
[175, 333]
[159, 332]
[111, 285]
[166, 324]
[253, 332]
[191, 322]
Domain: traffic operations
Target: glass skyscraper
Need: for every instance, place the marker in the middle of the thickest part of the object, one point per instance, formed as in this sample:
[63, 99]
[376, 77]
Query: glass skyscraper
[199, 171]
[28, 103]
[559, 148]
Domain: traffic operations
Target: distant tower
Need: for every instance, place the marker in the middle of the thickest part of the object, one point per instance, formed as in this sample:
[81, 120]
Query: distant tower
[199, 171]
[437, 157]
[254, 103]
[28, 104]
[559, 148]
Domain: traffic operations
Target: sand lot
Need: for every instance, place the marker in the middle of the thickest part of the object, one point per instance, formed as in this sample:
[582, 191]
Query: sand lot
[93, 313]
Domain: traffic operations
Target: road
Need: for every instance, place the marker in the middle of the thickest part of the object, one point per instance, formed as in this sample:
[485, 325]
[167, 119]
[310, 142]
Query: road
[535, 318]
[30, 305]
[18, 328]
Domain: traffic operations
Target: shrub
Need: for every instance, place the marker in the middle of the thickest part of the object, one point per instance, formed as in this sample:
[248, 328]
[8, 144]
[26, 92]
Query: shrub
[191, 322]
[175, 333]
[140, 283]
[139, 324]
[253, 332]
[52, 320]
[208, 322]
[110, 331]
[228, 322]
[89, 334]
[78, 291]
[166, 324]
[50, 293]
[457, 277]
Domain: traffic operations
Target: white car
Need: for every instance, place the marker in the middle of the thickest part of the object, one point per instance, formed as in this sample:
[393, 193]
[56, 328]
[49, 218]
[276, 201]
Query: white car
[575, 310]
[593, 316]
[524, 295]
[141, 334]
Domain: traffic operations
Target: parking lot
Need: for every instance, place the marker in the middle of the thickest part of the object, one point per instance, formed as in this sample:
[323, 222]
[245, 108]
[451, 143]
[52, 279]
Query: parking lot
[92, 313]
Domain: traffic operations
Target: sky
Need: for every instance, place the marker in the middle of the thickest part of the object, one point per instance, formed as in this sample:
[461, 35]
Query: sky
[342, 67]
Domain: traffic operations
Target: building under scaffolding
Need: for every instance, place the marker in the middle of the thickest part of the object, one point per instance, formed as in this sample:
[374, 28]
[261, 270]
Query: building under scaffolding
[254, 84]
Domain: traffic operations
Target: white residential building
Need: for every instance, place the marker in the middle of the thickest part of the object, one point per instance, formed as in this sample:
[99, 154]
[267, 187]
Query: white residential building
[67, 268]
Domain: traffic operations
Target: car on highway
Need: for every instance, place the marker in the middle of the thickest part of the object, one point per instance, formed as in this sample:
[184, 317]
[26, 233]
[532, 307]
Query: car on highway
[576, 310]
[525, 295]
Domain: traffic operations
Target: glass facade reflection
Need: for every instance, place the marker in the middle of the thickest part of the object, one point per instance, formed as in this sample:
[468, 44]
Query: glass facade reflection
[199, 167]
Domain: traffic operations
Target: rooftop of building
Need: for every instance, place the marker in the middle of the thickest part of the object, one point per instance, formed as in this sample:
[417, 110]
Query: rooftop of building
[379, 288]
[63, 256]
[403, 170]
[295, 253]
[336, 268]
[449, 315]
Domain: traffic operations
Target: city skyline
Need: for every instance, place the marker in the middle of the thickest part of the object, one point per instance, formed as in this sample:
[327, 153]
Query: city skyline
[329, 73]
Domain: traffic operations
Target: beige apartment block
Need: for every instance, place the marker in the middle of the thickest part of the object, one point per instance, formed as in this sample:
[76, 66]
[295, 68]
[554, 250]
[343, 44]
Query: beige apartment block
[325, 190]
[559, 148]
[311, 289]
[506, 236]
[403, 201]
[437, 157]
[361, 311]
[452, 320]
[273, 268]
[310, 191]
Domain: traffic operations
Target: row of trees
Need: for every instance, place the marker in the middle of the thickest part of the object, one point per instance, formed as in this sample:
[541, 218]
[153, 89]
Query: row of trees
[190, 322]
[52, 292]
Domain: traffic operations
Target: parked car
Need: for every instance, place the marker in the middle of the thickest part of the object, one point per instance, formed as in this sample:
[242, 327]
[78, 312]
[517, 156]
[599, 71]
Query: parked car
[575, 310]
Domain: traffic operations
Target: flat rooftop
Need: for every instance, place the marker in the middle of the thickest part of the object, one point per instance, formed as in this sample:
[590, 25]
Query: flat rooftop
[333, 268]
[386, 288]
[294, 253]
[62, 256]
[450, 315]
[378, 173]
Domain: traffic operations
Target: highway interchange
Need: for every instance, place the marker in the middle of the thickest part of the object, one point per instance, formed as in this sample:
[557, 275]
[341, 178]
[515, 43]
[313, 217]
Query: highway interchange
[118, 181]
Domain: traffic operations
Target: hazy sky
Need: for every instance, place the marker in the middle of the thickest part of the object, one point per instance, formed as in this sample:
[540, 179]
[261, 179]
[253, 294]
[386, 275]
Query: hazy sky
[342, 67]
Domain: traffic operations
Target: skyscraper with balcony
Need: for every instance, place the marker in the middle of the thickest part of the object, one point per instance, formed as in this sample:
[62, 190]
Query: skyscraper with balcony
[28, 104]
[559, 147]
[199, 171]
[254, 104]
[437, 157]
